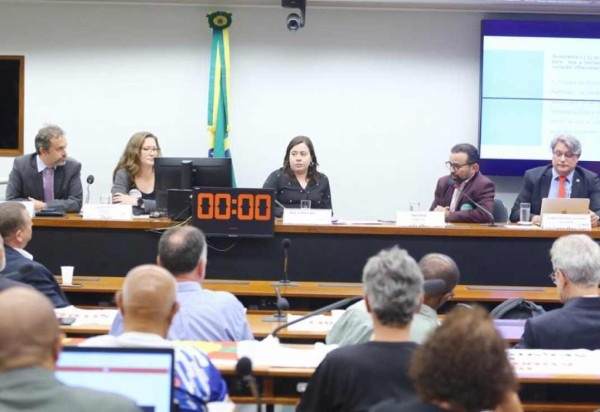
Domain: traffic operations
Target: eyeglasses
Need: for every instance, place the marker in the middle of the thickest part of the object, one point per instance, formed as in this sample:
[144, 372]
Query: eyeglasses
[149, 149]
[456, 166]
[568, 155]
[552, 276]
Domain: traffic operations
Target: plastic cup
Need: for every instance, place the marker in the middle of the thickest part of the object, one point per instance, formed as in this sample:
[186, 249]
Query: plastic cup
[67, 275]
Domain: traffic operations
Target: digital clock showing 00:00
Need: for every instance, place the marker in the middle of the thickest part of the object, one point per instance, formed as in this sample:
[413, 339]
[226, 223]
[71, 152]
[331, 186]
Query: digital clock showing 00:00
[228, 206]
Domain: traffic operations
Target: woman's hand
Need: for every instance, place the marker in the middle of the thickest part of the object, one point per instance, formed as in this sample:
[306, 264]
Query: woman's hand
[124, 199]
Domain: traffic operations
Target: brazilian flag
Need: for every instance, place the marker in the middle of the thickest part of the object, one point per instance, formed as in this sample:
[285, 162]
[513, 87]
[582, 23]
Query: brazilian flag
[218, 92]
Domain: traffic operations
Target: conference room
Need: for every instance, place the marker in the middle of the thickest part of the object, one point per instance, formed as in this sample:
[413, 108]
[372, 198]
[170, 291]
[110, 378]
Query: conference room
[383, 90]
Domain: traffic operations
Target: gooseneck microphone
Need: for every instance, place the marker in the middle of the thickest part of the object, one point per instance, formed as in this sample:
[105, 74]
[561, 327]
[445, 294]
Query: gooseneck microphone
[20, 274]
[282, 304]
[454, 185]
[243, 369]
[335, 305]
[89, 180]
[285, 243]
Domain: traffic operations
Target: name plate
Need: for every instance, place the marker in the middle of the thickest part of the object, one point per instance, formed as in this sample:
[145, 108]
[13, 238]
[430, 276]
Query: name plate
[107, 212]
[566, 221]
[420, 219]
[306, 216]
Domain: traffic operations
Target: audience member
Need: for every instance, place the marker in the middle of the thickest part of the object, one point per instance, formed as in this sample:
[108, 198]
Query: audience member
[48, 178]
[576, 273]
[148, 305]
[356, 326]
[462, 367]
[299, 179]
[204, 314]
[5, 282]
[133, 178]
[356, 377]
[16, 229]
[30, 344]
[561, 179]
[463, 193]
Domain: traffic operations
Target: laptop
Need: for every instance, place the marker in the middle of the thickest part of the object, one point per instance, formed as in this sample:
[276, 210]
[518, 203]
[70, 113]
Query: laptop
[144, 375]
[572, 206]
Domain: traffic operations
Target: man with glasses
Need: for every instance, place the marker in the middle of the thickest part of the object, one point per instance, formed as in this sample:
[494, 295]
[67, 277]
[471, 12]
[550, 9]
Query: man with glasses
[48, 178]
[576, 274]
[561, 179]
[465, 192]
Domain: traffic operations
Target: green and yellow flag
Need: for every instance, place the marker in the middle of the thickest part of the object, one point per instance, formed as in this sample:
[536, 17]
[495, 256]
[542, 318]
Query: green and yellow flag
[218, 91]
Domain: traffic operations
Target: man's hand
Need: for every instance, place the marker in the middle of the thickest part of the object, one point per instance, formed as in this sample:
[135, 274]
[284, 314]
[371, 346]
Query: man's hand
[38, 204]
[446, 211]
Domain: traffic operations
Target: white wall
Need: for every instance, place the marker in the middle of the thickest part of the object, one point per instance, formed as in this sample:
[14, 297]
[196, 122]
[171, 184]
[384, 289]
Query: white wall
[383, 94]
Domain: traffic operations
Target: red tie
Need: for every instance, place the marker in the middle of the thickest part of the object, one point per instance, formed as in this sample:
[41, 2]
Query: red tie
[562, 192]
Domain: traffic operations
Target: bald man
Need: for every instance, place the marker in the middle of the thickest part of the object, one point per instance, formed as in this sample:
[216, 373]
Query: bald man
[30, 343]
[356, 326]
[148, 304]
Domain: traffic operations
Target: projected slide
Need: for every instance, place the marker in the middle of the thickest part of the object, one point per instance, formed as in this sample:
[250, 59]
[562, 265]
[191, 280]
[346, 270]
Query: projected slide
[538, 80]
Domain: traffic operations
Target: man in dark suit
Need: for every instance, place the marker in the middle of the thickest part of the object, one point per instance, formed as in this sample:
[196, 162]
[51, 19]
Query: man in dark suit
[5, 283]
[16, 229]
[576, 264]
[545, 181]
[465, 192]
[48, 178]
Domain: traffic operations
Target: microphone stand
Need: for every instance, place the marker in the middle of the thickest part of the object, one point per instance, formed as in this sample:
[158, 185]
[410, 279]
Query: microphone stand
[286, 243]
[453, 184]
[282, 304]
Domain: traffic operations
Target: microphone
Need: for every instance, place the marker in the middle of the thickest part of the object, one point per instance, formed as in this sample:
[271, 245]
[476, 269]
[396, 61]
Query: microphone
[279, 211]
[243, 369]
[90, 180]
[285, 243]
[453, 185]
[281, 304]
[324, 309]
[20, 274]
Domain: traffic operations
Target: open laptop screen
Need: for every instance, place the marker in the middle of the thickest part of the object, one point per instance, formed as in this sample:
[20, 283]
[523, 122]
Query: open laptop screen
[142, 374]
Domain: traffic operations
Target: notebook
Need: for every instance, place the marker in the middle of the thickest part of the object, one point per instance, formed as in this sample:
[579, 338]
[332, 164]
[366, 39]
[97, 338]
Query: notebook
[565, 206]
[142, 374]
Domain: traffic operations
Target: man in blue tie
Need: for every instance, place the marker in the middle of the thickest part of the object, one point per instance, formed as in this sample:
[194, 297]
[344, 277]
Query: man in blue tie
[563, 178]
[48, 178]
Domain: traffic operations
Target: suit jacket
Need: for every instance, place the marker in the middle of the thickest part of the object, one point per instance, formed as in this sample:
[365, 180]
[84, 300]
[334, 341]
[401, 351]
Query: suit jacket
[479, 188]
[586, 184]
[574, 326]
[25, 181]
[8, 283]
[40, 277]
[36, 389]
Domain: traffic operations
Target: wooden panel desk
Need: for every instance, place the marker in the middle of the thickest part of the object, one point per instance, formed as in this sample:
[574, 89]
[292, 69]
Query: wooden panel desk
[486, 255]
[312, 294]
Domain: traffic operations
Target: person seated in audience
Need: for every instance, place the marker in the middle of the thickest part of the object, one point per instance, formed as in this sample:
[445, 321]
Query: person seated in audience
[356, 377]
[48, 178]
[5, 282]
[148, 305]
[356, 326]
[30, 344]
[462, 367]
[299, 179]
[204, 315]
[133, 178]
[561, 178]
[462, 194]
[16, 229]
[576, 273]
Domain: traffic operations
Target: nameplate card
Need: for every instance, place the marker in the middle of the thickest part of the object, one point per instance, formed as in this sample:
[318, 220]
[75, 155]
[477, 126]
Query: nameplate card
[566, 221]
[420, 219]
[107, 212]
[306, 216]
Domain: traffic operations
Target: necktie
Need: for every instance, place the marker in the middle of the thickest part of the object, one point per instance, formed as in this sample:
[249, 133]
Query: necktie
[562, 191]
[48, 181]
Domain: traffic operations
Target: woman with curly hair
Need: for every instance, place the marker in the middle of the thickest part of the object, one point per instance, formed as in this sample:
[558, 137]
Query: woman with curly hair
[133, 178]
[462, 367]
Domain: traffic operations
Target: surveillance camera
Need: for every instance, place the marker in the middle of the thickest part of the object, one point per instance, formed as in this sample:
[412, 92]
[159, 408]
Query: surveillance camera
[294, 22]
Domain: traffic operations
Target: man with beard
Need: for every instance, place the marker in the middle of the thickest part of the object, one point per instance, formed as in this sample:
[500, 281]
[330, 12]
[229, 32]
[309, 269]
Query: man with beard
[48, 178]
[463, 194]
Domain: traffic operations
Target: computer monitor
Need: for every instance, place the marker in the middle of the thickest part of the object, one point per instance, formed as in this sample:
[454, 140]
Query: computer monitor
[188, 172]
[144, 375]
